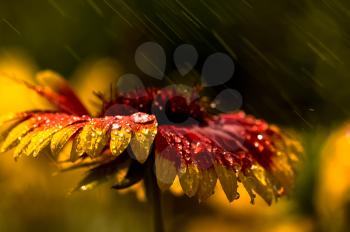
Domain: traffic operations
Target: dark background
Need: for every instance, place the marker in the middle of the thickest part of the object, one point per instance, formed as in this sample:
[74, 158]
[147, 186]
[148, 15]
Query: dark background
[292, 57]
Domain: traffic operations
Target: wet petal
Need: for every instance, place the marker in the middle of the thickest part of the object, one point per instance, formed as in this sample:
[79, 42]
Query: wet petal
[228, 181]
[90, 136]
[234, 147]
[144, 131]
[189, 179]
[16, 134]
[65, 98]
[57, 91]
[60, 138]
[98, 135]
[7, 122]
[254, 180]
[207, 184]
[141, 143]
[39, 141]
[102, 173]
[22, 145]
[120, 139]
[165, 171]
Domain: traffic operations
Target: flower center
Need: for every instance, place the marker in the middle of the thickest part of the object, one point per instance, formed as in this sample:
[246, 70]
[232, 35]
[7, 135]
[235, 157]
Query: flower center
[170, 105]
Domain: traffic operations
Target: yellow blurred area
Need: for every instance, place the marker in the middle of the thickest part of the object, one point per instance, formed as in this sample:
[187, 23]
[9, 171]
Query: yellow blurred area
[228, 224]
[16, 63]
[241, 215]
[95, 76]
[92, 76]
[14, 96]
[333, 195]
[32, 198]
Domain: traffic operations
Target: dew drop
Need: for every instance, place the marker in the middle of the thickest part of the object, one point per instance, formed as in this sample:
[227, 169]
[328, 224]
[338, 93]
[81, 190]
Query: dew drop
[179, 146]
[116, 126]
[142, 118]
[145, 131]
[177, 139]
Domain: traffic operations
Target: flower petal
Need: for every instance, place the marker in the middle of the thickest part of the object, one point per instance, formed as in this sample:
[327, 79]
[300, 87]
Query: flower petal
[120, 138]
[141, 142]
[41, 130]
[57, 91]
[7, 122]
[67, 98]
[61, 137]
[228, 180]
[16, 134]
[144, 127]
[23, 143]
[102, 173]
[232, 147]
[189, 177]
[93, 137]
[39, 141]
[207, 184]
[165, 171]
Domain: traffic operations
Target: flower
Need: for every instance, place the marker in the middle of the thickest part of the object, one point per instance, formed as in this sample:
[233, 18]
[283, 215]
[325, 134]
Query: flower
[333, 183]
[199, 150]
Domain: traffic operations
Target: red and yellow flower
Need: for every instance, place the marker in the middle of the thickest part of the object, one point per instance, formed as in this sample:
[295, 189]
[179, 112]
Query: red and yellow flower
[229, 147]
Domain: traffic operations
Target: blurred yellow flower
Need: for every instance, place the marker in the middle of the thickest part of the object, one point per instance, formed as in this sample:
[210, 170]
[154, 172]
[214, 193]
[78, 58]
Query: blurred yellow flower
[95, 76]
[16, 64]
[333, 195]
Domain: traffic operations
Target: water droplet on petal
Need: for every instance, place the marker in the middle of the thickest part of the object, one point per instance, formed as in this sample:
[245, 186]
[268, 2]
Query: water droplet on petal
[142, 118]
[177, 139]
[116, 126]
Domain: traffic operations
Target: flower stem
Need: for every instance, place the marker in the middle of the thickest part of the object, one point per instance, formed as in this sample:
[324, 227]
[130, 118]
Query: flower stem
[153, 194]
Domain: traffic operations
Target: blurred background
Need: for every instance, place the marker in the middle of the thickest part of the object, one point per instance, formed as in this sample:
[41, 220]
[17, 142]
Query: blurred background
[292, 65]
